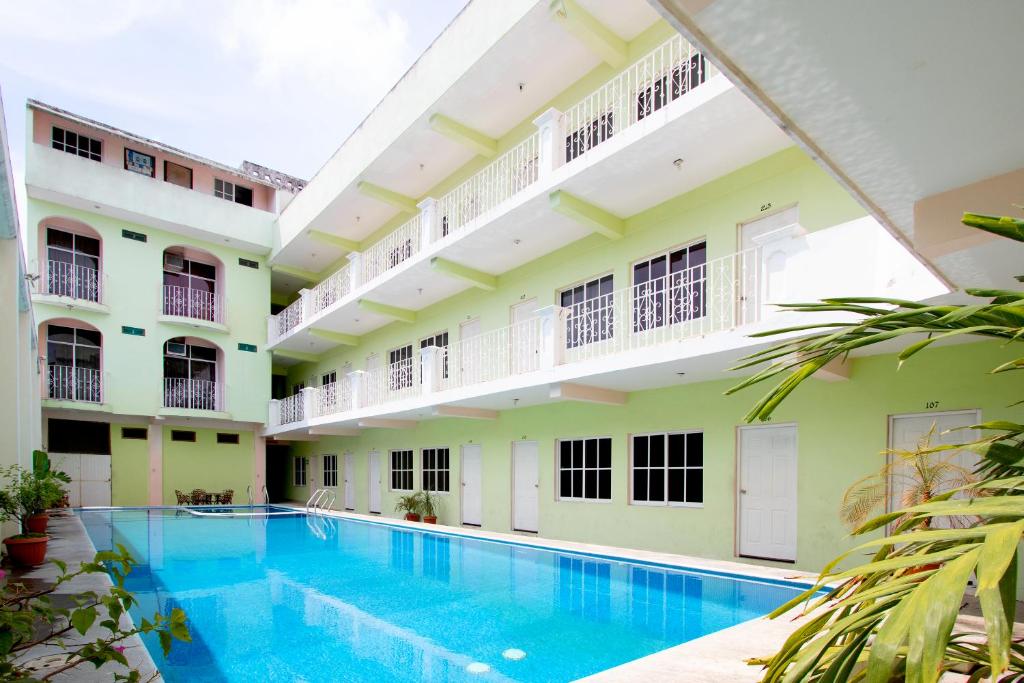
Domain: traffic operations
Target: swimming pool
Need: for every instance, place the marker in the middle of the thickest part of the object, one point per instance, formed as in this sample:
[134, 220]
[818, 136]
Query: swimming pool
[299, 598]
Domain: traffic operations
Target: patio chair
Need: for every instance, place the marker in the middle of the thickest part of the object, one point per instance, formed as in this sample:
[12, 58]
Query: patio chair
[200, 497]
[183, 498]
[227, 496]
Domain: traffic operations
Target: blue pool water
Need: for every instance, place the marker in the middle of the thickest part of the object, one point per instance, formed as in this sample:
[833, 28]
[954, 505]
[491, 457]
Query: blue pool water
[291, 598]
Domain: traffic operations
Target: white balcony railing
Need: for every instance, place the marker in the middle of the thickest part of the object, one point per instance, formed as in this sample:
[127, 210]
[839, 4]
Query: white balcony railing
[197, 304]
[288, 319]
[331, 290]
[506, 176]
[192, 394]
[507, 351]
[77, 282]
[66, 383]
[291, 409]
[663, 75]
[391, 382]
[396, 247]
[333, 398]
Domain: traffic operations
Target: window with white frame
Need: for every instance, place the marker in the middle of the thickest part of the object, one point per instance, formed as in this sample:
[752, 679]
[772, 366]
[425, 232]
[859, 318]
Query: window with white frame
[299, 471]
[670, 288]
[435, 470]
[232, 192]
[401, 470]
[668, 469]
[585, 469]
[73, 265]
[75, 143]
[440, 340]
[330, 470]
[329, 378]
[400, 364]
[589, 316]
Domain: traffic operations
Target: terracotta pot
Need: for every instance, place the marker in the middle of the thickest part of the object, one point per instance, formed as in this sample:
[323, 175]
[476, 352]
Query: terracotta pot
[430, 519]
[37, 523]
[412, 517]
[27, 551]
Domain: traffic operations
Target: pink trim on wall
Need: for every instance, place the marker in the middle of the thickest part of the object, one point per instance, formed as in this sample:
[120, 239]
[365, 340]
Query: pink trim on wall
[156, 464]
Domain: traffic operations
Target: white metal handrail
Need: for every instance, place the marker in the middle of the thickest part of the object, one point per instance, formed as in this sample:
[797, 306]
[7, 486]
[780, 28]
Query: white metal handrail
[506, 176]
[289, 318]
[392, 382]
[192, 303]
[331, 290]
[291, 409]
[394, 248]
[320, 500]
[663, 75]
[719, 295]
[192, 394]
[67, 383]
[77, 282]
[332, 398]
[496, 354]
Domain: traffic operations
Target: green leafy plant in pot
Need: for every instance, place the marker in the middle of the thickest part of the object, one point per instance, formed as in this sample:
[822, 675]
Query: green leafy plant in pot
[428, 505]
[410, 505]
[25, 496]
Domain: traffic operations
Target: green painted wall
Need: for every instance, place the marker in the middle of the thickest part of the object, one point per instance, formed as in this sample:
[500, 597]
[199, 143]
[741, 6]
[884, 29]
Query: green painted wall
[129, 467]
[842, 430]
[206, 464]
[134, 277]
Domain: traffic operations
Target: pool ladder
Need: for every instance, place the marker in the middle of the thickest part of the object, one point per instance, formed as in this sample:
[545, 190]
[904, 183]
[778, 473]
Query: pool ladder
[322, 499]
[263, 489]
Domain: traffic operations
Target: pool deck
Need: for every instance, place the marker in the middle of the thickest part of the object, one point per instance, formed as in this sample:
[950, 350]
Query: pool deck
[716, 657]
[70, 542]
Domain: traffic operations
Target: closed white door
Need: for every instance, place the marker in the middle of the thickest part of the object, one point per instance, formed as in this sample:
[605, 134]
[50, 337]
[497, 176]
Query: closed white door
[769, 233]
[90, 477]
[374, 483]
[910, 432]
[525, 486]
[350, 488]
[767, 496]
[524, 342]
[472, 485]
[470, 353]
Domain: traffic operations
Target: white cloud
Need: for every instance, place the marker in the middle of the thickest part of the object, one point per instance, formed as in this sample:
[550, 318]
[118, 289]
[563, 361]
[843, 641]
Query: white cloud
[77, 21]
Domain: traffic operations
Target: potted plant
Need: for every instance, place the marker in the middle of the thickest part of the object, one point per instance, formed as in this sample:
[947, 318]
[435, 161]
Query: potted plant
[50, 494]
[410, 505]
[24, 496]
[428, 507]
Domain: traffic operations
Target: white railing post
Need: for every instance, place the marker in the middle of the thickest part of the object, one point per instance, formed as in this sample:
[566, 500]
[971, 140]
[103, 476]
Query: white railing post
[274, 418]
[430, 365]
[306, 296]
[551, 150]
[429, 230]
[357, 380]
[271, 328]
[308, 399]
[552, 336]
[355, 270]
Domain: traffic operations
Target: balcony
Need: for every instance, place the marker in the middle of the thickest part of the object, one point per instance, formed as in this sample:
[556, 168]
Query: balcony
[192, 394]
[192, 307]
[696, 323]
[72, 286]
[610, 150]
[81, 385]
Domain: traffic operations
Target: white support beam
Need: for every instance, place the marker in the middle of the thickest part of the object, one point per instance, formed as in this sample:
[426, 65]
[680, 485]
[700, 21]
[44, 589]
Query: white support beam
[464, 135]
[384, 423]
[588, 394]
[465, 412]
[334, 431]
[612, 49]
[294, 436]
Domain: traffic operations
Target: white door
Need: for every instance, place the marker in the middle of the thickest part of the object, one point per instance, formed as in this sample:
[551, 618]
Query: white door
[770, 234]
[525, 485]
[314, 475]
[90, 477]
[524, 343]
[470, 353]
[374, 483]
[350, 489]
[908, 432]
[767, 500]
[472, 489]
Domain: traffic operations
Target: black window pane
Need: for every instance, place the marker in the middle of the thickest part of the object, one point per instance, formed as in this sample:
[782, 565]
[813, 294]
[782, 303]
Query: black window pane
[640, 485]
[676, 450]
[657, 485]
[695, 449]
[59, 238]
[444, 481]
[590, 483]
[203, 353]
[87, 245]
[59, 333]
[604, 453]
[203, 270]
[657, 447]
[565, 453]
[604, 485]
[694, 486]
[87, 357]
[577, 454]
[590, 450]
[243, 195]
[91, 337]
[565, 484]
[676, 486]
[577, 483]
[639, 451]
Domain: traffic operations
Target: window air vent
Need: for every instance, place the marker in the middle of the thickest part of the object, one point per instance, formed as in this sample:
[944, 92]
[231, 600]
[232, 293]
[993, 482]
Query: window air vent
[248, 263]
[132, 235]
[176, 349]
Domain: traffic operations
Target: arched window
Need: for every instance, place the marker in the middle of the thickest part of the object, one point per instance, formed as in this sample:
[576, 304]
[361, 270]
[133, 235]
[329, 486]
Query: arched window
[72, 260]
[74, 362]
[190, 285]
[191, 374]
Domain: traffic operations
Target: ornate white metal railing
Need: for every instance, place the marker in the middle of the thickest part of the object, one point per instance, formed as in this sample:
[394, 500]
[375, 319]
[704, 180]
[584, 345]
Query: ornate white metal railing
[78, 282]
[66, 383]
[331, 290]
[511, 350]
[335, 397]
[289, 318]
[662, 76]
[392, 382]
[193, 394]
[291, 409]
[192, 303]
[506, 176]
[720, 295]
[396, 247]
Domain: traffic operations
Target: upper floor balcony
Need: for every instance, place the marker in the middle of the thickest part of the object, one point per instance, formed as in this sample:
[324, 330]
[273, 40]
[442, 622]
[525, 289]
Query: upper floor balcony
[695, 322]
[666, 124]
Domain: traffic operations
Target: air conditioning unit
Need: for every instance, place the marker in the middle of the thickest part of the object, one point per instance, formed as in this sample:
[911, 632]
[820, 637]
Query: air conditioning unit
[174, 263]
[176, 349]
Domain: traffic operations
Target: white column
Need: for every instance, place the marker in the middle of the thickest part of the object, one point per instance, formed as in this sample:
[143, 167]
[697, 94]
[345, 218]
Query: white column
[551, 153]
[552, 336]
[429, 230]
[430, 358]
[308, 397]
[274, 417]
[355, 270]
[356, 380]
[306, 296]
[271, 328]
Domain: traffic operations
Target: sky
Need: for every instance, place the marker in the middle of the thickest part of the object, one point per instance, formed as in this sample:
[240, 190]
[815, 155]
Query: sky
[278, 82]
